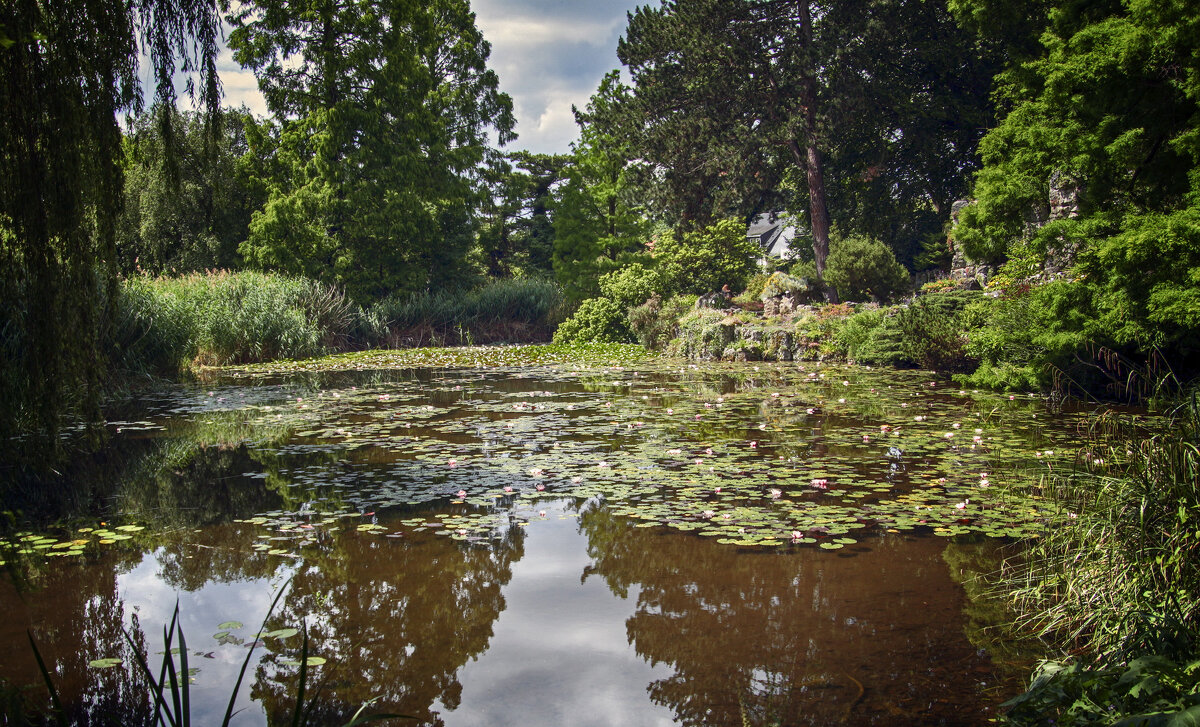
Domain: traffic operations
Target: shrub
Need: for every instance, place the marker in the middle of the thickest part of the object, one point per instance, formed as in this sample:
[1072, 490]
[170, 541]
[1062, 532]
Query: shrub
[864, 269]
[702, 261]
[873, 337]
[784, 284]
[598, 320]
[656, 321]
[933, 331]
[1022, 339]
[631, 285]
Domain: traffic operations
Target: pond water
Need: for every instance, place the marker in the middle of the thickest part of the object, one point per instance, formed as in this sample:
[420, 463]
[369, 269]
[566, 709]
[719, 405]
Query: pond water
[494, 537]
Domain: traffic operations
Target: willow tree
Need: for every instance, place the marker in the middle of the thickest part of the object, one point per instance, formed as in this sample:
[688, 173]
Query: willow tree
[384, 110]
[66, 70]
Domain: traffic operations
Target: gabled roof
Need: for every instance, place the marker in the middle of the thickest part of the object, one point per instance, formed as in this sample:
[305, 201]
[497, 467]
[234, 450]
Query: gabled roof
[775, 231]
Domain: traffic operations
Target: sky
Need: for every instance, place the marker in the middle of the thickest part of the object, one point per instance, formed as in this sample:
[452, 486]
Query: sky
[549, 54]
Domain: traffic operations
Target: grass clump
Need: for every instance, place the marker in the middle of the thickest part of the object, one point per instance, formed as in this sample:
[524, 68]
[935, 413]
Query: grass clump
[1116, 582]
[502, 311]
[164, 325]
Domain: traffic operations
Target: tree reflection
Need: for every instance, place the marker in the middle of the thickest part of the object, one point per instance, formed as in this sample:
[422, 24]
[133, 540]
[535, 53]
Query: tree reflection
[396, 620]
[75, 615]
[807, 637]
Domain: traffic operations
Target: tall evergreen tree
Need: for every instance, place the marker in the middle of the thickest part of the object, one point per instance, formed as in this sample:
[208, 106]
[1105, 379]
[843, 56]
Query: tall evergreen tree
[384, 110]
[598, 222]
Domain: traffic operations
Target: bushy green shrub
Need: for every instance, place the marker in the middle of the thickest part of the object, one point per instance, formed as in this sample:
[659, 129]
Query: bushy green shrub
[654, 323]
[702, 261]
[873, 337]
[631, 285]
[934, 331]
[1022, 338]
[597, 320]
[754, 289]
[864, 269]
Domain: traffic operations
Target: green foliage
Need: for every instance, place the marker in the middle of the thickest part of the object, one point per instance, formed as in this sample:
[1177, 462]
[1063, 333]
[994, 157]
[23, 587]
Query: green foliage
[1118, 581]
[516, 237]
[187, 199]
[864, 269]
[599, 223]
[1152, 691]
[873, 337]
[632, 285]
[656, 321]
[1023, 338]
[522, 309]
[1148, 284]
[933, 331]
[384, 117]
[597, 320]
[168, 324]
[704, 260]
[66, 70]
[1104, 107]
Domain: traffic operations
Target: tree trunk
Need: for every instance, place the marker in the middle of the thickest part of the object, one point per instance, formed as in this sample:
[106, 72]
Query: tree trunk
[818, 212]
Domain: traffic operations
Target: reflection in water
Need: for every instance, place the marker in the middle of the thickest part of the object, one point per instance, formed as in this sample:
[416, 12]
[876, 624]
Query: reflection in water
[871, 635]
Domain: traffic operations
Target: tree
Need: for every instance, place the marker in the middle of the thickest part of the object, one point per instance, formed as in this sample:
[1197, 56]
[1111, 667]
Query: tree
[517, 234]
[66, 69]
[598, 222]
[1107, 117]
[384, 111]
[187, 199]
[863, 111]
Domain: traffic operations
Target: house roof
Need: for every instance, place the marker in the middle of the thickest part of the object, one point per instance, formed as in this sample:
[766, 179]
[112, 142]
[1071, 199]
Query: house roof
[775, 232]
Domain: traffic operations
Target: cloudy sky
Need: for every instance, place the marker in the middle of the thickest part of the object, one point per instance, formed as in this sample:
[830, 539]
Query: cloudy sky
[549, 55]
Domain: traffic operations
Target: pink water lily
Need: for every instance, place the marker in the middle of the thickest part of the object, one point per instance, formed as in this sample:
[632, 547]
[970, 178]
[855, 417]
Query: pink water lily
[796, 535]
[453, 463]
[754, 445]
[708, 514]
[540, 488]
[462, 494]
[775, 493]
[508, 488]
[820, 483]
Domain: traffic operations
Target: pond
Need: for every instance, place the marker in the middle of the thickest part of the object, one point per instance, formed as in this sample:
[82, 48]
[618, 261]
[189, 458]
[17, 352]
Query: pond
[506, 536]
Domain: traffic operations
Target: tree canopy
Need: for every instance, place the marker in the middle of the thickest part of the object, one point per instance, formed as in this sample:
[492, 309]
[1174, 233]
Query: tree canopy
[384, 110]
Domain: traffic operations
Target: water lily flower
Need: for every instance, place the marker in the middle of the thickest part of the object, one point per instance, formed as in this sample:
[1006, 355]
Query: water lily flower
[956, 425]
[962, 505]
[541, 513]
[670, 411]
[576, 480]
[948, 435]
[708, 513]
[810, 410]
[536, 472]
[699, 461]
[674, 451]
[453, 463]
[707, 405]
[698, 417]
[727, 516]
[796, 535]
[820, 483]
[775, 493]
[841, 401]
[977, 438]
[603, 464]
[508, 488]
[540, 487]
[845, 383]
[462, 494]
[753, 445]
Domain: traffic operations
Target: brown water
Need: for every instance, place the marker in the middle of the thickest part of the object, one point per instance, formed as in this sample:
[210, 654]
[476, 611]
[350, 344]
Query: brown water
[540, 607]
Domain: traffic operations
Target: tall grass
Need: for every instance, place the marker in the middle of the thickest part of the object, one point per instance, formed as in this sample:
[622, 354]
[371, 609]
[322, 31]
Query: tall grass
[165, 325]
[1116, 582]
[508, 311]
[1119, 576]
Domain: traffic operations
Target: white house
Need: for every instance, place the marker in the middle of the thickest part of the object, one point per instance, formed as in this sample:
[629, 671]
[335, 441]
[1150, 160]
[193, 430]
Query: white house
[776, 233]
